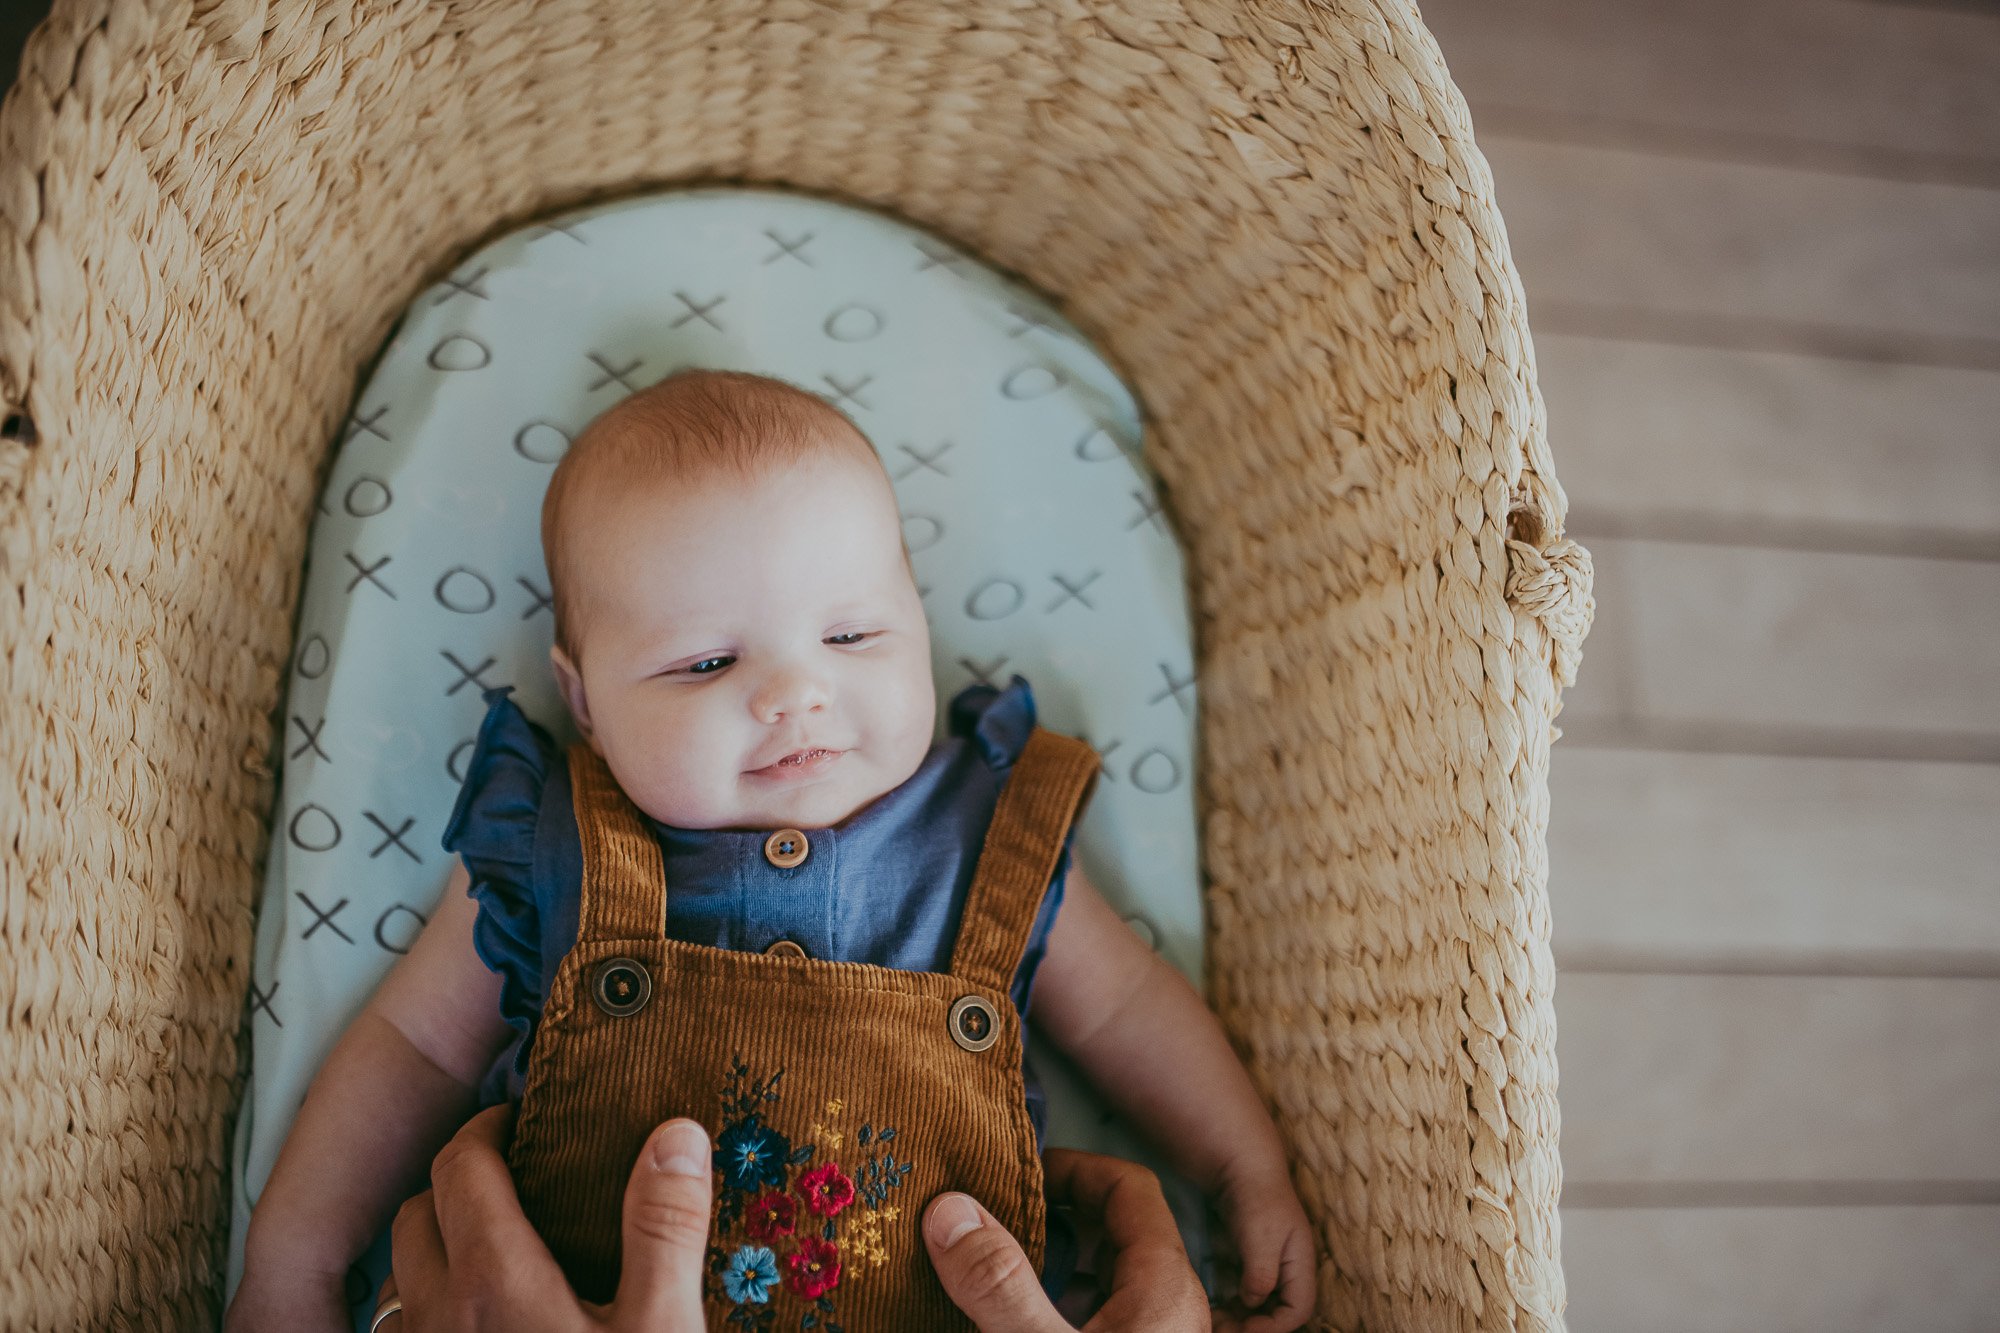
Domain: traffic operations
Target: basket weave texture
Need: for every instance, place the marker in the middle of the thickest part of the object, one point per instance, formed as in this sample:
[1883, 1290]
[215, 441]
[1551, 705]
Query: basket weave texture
[1269, 213]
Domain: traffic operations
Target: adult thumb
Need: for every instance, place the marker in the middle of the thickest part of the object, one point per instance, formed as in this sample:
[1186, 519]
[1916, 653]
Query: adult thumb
[666, 1232]
[984, 1270]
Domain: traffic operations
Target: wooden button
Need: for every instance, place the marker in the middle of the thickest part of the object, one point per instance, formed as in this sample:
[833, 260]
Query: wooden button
[621, 986]
[786, 848]
[973, 1024]
[786, 949]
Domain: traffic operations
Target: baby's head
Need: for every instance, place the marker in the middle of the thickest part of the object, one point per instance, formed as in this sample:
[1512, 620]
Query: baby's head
[731, 587]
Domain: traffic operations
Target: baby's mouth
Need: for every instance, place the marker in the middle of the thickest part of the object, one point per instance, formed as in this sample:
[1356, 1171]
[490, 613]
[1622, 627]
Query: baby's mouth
[800, 762]
[803, 756]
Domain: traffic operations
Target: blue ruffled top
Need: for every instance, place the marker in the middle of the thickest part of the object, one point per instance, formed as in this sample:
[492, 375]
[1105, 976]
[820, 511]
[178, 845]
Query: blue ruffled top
[886, 885]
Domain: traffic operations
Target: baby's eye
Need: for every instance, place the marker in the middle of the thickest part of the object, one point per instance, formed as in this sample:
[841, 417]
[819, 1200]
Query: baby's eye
[852, 636]
[695, 668]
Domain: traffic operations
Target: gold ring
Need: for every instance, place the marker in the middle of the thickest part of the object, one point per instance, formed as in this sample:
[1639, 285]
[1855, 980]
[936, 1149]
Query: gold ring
[394, 1305]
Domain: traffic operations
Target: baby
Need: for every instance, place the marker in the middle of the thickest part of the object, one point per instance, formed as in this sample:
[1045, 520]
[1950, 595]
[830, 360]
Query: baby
[758, 840]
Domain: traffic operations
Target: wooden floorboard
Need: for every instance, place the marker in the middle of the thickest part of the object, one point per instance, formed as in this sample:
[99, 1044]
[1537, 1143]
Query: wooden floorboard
[1708, 861]
[1855, 86]
[1710, 443]
[1710, 638]
[1749, 244]
[1783, 1270]
[1678, 1079]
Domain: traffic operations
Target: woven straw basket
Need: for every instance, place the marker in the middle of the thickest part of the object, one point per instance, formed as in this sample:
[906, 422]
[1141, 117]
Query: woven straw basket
[1271, 215]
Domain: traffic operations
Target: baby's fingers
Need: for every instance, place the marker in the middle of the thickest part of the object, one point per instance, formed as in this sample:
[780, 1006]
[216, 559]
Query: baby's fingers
[1295, 1294]
[1260, 1273]
[1260, 1247]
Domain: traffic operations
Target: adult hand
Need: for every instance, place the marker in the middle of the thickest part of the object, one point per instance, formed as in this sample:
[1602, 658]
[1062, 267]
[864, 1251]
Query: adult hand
[465, 1256]
[1151, 1285]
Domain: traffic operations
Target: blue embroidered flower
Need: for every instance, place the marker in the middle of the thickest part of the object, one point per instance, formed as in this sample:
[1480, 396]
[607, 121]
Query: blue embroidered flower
[753, 1271]
[751, 1155]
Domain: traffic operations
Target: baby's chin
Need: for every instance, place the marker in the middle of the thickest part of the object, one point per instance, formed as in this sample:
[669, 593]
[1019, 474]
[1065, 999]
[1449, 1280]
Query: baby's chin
[819, 806]
[758, 807]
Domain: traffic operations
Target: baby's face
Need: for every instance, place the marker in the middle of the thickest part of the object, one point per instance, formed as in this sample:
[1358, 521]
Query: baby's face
[742, 622]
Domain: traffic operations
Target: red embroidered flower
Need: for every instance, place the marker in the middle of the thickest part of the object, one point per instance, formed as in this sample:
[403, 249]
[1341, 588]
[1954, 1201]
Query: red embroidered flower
[814, 1267]
[770, 1216]
[826, 1189]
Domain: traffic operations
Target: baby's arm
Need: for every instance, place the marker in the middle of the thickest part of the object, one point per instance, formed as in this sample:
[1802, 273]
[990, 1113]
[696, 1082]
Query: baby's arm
[1155, 1050]
[401, 1080]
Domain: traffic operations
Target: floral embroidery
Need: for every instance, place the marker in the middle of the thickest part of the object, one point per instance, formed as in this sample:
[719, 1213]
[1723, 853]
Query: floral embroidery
[753, 1271]
[800, 1221]
[826, 1136]
[771, 1216]
[826, 1189]
[813, 1269]
[863, 1241]
[751, 1155]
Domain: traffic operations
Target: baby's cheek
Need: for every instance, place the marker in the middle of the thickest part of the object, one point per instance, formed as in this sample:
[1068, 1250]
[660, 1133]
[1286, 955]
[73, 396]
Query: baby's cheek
[676, 793]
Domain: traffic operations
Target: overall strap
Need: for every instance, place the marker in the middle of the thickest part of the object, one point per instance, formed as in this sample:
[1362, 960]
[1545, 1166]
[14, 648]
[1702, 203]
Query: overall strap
[1044, 793]
[624, 876]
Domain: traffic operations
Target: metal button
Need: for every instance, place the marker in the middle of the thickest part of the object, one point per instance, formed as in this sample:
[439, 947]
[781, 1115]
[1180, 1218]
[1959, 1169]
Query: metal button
[786, 848]
[786, 949]
[973, 1024]
[621, 986]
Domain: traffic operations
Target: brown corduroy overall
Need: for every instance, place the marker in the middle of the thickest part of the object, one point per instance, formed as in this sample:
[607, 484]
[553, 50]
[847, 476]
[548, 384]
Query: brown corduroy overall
[842, 1097]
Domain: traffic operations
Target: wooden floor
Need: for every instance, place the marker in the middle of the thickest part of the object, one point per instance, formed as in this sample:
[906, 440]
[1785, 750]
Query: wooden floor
[1761, 246]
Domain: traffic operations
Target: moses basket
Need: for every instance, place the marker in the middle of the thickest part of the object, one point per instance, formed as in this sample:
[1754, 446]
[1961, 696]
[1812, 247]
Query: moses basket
[1271, 216]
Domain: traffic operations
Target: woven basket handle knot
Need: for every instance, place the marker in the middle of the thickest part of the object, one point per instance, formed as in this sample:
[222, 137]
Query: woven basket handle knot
[17, 443]
[1549, 578]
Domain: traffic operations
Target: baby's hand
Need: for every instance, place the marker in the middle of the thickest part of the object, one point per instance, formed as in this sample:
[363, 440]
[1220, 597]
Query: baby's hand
[1275, 1244]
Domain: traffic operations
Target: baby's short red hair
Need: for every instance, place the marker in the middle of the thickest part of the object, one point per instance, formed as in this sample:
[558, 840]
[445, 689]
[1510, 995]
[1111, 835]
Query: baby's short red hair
[691, 427]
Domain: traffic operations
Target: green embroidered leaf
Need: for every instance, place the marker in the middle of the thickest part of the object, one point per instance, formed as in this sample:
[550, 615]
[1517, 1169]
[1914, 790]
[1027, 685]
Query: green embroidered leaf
[863, 1135]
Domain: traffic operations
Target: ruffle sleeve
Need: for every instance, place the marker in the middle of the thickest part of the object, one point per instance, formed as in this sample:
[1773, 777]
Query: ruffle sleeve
[492, 828]
[997, 722]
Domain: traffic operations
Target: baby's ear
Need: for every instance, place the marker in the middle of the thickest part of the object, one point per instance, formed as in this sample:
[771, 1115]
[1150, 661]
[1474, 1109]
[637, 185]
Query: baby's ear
[570, 681]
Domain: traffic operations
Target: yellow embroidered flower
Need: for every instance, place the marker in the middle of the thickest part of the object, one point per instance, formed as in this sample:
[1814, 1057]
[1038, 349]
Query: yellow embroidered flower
[864, 1242]
[829, 1139]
